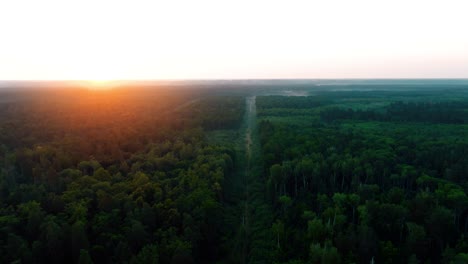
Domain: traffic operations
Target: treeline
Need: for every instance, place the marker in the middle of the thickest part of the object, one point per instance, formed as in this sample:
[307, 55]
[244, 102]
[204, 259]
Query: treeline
[355, 195]
[107, 120]
[293, 102]
[112, 177]
[216, 112]
[431, 112]
[87, 123]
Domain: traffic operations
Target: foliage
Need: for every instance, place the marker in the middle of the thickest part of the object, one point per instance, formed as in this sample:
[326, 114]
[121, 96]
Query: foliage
[367, 183]
[113, 176]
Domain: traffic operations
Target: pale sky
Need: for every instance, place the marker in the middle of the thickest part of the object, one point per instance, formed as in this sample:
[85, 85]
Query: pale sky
[217, 39]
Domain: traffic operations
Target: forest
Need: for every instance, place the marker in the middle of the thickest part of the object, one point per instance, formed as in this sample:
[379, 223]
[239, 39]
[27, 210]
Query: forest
[107, 177]
[232, 174]
[361, 179]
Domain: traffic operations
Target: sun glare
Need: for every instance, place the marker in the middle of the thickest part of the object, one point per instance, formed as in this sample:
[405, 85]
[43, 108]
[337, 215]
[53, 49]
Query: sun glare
[100, 84]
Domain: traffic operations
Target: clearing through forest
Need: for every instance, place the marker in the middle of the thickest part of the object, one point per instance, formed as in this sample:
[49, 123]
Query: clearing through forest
[250, 123]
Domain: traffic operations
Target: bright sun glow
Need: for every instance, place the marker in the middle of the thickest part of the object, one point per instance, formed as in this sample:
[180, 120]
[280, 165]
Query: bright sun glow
[108, 40]
[100, 85]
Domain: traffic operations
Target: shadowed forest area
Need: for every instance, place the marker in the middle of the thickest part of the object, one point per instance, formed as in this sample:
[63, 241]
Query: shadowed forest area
[274, 172]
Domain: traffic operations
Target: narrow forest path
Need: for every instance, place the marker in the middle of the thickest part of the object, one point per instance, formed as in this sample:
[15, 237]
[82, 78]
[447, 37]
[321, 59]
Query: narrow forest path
[249, 217]
[250, 125]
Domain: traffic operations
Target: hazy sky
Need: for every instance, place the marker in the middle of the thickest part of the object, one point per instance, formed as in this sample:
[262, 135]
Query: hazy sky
[233, 39]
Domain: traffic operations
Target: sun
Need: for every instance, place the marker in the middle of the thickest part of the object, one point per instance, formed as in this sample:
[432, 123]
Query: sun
[100, 84]
[102, 74]
[102, 77]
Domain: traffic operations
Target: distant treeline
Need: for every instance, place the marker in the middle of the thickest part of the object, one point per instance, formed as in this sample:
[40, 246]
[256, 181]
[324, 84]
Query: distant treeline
[213, 113]
[431, 112]
[294, 102]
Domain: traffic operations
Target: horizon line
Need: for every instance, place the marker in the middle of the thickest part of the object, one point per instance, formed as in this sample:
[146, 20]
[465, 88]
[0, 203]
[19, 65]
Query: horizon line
[233, 79]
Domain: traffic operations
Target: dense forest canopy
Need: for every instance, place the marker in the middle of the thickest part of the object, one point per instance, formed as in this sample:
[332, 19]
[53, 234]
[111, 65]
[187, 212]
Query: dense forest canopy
[227, 173]
[113, 176]
[364, 177]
